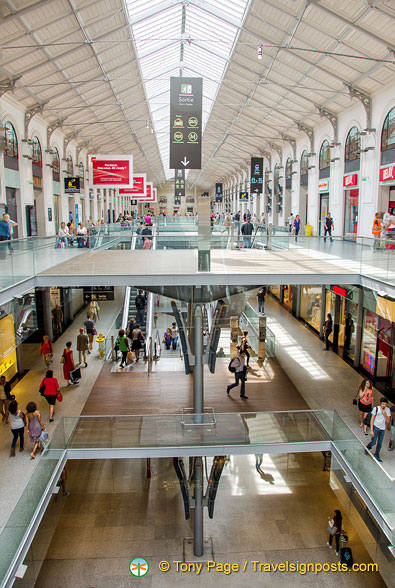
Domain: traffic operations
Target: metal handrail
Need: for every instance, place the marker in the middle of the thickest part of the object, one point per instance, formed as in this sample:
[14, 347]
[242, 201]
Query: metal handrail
[126, 304]
[149, 327]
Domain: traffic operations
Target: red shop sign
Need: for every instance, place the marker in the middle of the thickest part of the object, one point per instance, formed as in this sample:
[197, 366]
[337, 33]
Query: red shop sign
[387, 173]
[340, 291]
[350, 181]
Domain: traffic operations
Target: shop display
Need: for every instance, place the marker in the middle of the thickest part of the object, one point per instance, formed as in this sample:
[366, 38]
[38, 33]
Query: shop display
[8, 366]
[310, 306]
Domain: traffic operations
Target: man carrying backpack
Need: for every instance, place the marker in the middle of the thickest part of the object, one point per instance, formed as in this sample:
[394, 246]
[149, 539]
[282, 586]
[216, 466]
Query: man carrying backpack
[237, 367]
[140, 307]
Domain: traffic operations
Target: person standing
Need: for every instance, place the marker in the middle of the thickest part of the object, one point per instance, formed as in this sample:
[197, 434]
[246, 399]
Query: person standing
[139, 239]
[123, 346]
[381, 417]
[35, 426]
[391, 442]
[261, 299]
[328, 226]
[348, 331]
[18, 422]
[82, 346]
[365, 399]
[328, 327]
[376, 230]
[137, 341]
[336, 523]
[49, 388]
[236, 219]
[174, 334]
[90, 330]
[5, 234]
[94, 309]
[57, 319]
[246, 231]
[46, 351]
[68, 364]
[291, 219]
[140, 302]
[239, 365]
[296, 226]
[5, 398]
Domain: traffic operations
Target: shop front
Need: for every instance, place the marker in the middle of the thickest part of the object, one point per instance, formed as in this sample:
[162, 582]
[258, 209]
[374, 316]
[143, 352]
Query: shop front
[323, 190]
[351, 205]
[310, 306]
[387, 189]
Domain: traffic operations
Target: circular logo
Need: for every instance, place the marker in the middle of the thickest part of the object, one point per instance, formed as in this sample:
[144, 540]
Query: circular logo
[139, 567]
[178, 136]
[193, 121]
[193, 136]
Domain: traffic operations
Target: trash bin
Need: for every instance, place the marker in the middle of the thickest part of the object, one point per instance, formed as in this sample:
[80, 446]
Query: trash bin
[308, 230]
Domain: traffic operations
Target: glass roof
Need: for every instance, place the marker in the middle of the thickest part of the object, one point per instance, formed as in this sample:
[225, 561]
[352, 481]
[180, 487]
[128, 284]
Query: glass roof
[185, 38]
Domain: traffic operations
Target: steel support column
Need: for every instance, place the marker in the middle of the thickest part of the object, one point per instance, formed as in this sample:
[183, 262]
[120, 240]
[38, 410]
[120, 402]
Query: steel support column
[198, 382]
[198, 518]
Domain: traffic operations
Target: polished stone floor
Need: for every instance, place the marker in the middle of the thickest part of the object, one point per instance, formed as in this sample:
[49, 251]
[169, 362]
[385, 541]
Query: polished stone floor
[114, 513]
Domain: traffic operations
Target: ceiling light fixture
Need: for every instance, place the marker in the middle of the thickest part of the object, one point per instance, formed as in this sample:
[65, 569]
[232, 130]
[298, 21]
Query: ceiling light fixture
[260, 52]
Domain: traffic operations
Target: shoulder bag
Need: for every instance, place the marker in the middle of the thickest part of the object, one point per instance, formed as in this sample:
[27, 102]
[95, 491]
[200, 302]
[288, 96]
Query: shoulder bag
[62, 359]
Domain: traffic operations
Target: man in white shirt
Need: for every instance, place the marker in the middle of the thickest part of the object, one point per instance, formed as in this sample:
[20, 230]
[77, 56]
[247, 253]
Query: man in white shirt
[81, 235]
[290, 221]
[380, 418]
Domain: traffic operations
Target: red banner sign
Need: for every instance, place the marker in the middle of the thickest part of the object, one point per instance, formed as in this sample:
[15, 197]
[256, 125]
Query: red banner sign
[387, 173]
[138, 189]
[350, 181]
[111, 171]
[340, 291]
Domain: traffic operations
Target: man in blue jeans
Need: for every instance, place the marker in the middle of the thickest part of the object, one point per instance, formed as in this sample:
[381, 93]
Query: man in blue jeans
[380, 418]
[246, 231]
[240, 375]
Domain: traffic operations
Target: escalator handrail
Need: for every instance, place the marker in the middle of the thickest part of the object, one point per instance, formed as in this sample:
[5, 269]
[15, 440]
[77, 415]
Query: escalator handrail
[125, 313]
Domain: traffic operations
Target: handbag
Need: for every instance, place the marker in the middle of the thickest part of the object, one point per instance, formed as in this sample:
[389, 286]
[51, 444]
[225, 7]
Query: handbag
[62, 359]
[42, 389]
[367, 419]
[355, 401]
[59, 397]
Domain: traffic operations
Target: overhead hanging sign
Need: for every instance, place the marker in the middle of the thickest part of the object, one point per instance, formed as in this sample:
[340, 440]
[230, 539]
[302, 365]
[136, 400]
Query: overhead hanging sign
[256, 175]
[218, 193]
[111, 171]
[179, 182]
[186, 123]
[243, 196]
[138, 188]
[71, 185]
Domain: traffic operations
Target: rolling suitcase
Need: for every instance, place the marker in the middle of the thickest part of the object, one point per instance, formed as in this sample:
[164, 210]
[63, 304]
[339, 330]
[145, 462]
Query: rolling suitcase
[346, 556]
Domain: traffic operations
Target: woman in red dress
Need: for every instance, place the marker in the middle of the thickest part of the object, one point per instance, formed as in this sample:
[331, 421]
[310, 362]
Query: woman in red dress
[68, 363]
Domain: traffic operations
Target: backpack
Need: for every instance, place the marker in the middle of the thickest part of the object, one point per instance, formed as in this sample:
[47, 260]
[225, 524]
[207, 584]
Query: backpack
[231, 368]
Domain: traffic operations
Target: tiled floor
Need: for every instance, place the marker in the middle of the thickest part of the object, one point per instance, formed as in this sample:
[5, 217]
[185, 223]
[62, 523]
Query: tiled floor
[114, 513]
[16, 471]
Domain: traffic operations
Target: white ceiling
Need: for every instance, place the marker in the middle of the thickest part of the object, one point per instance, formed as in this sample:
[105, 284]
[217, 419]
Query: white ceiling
[103, 67]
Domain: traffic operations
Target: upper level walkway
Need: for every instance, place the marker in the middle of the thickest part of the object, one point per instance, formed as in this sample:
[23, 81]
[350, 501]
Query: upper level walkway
[112, 259]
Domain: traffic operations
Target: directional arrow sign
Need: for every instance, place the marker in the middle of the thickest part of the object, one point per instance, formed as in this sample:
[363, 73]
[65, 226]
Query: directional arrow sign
[257, 175]
[186, 123]
[179, 182]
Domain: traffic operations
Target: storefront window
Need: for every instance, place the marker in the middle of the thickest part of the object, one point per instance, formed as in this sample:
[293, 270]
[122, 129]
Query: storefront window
[351, 213]
[310, 306]
[11, 142]
[325, 156]
[376, 351]
[348, 327]
[276, 291]
[287, 296]
[353, 145]
[369, 341]
[330, 299]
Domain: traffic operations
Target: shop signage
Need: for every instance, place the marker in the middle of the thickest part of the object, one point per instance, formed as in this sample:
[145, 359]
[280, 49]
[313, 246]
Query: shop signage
[98, 293]
[111, 171]
[256, 175]
[385, 308]
[350, 181]
[185, 123]
[218, 193]
[179, 182]
[71, 185]
[387, 173]
[323, 186]
[340, 291]
[243, 196]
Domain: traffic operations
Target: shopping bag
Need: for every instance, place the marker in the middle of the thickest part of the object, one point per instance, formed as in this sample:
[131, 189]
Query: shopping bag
[76, 374]
[59, 397]
[44, 439]
[130, 355]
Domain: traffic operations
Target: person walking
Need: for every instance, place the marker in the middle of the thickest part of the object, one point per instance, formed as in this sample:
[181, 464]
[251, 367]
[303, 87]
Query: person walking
[137, 341]
[244, 348]
[5, 398]
[140, 302]
[147, 243]
[49, 388]
[90, 330]
[68, 364]
[236, 219]
[296, 226]
[94, 309]
[261, 299]
[35, 426]
[174, 335]
[18, 422]
[328, 327]
[46, 351]
[139, 239]
[82, 346]
[123, 347]
[239, 364]
[246, 230]
[291, 219]
[335, 527]
[5, 235]
[381, 417]
[365, 398]
[328, 226]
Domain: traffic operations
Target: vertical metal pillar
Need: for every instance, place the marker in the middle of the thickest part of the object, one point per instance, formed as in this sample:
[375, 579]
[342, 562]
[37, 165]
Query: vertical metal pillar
[198, 518]
[204, 234]
[198, 383]
[322, 311]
